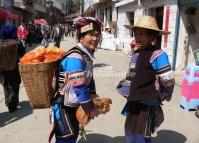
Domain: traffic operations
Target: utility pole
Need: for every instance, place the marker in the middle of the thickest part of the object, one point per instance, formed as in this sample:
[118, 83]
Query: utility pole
[81, 7]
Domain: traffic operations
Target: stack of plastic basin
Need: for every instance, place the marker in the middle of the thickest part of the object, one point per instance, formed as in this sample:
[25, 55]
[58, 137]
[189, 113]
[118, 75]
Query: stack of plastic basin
[189, 98]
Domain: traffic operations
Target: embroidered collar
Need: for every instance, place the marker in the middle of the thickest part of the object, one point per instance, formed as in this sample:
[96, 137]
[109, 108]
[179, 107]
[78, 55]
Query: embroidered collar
[85, 50]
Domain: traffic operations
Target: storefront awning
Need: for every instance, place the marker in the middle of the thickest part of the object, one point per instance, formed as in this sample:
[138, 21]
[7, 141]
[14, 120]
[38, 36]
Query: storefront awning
[124, 2]
[7, 15]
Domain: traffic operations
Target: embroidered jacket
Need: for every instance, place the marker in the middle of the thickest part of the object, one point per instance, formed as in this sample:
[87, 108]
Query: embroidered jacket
[78, 65]
[157, 79]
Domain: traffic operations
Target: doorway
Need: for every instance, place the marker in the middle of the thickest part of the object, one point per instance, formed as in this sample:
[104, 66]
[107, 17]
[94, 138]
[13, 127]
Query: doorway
[158, 13]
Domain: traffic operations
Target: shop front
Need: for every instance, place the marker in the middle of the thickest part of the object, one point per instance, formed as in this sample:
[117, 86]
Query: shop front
[187, 49]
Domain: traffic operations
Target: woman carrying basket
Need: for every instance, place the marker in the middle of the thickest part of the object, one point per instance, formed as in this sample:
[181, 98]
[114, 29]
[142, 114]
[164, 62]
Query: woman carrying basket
[75, 71]
[10, 79]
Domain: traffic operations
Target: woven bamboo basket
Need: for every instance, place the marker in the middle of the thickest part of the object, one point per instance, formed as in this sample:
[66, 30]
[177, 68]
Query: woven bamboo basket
[37, 79]
[8, 55]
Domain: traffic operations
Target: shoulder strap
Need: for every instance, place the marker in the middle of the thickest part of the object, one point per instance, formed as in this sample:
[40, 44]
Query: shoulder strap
[59, 72]
[74, 50]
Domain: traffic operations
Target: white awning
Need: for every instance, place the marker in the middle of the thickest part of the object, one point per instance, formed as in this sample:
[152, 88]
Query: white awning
[124, 2]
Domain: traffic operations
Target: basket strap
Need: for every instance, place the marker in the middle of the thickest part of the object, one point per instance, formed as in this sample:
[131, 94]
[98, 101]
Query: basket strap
[74, 50]
[60, 72]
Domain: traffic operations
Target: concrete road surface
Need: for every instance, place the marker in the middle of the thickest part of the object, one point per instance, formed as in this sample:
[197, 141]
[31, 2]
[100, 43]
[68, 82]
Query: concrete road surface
[29, 125]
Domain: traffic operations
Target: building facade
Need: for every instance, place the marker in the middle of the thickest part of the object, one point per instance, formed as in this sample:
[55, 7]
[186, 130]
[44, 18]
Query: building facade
[24, 9]
[127, 12]
[53, 10]
[186, 49]
[99, 8]
[29, 9]
[164, 11]
[6, 4]
[40, 8]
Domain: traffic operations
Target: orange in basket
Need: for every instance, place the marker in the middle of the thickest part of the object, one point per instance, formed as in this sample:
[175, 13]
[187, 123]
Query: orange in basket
[52, 57]
[42, 55]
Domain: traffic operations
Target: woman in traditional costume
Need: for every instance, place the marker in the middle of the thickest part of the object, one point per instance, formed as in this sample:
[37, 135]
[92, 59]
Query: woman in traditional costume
[152, 83]
[76, 69]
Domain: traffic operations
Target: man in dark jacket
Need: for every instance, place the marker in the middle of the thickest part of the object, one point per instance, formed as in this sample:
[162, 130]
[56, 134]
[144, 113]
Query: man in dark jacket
[57, 35]
[10, 79]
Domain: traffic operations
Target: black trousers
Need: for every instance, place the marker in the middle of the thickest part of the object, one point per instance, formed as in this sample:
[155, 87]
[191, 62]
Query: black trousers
[11, 82]
[57, 41]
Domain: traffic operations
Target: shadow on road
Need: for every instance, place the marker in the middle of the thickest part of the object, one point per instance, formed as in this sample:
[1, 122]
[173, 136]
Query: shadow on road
[7, 118]
[99, 65]
[99, 138]
[163, 136]
[168, 136]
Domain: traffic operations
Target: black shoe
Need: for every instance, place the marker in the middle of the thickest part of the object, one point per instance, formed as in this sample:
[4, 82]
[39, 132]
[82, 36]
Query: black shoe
[12, 109]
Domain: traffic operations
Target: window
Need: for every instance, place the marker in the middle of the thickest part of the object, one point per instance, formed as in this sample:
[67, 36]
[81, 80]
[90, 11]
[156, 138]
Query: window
[130, 16]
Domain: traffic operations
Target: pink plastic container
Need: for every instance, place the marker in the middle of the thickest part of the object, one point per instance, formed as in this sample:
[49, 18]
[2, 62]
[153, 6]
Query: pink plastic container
[189, 98]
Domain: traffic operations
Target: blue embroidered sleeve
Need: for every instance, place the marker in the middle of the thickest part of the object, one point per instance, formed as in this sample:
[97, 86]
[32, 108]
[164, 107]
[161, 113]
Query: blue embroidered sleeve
[160, 61]
[75, 65]
[72, 64]
[166, 81]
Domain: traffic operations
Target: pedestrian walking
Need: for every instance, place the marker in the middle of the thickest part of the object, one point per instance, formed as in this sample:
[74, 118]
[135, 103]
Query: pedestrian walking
[152, 83]
[31, 34]
[10, 79]
[57, 35]
[45, 41]
[75, 71]
[22, 33]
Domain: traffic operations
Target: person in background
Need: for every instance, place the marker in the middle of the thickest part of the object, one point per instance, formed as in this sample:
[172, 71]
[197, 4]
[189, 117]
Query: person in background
[151, 84]
[11, 79]
[57, 35]
[8, 30]
[30, 36]
[45, 41]
[22, 33]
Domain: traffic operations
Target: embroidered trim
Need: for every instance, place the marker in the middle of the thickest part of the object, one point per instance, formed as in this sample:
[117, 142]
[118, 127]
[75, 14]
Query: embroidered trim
[75, 55]
[164, 69]
[155, 55]
[77, 81]
[87, 28]
[76, 75]
[85, 101]
[69, 126]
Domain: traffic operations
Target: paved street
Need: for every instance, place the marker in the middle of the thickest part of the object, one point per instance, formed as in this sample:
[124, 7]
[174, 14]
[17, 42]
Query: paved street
[29, 125]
